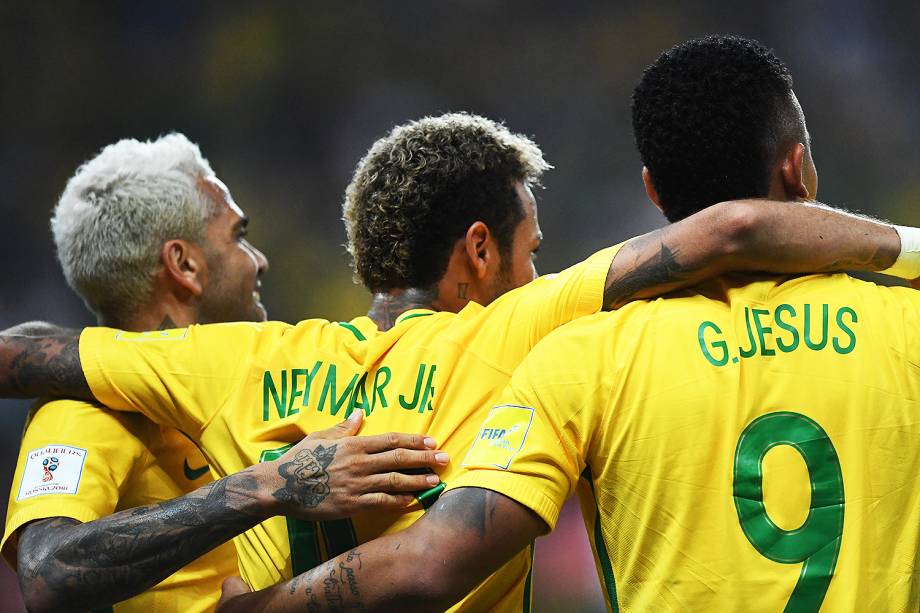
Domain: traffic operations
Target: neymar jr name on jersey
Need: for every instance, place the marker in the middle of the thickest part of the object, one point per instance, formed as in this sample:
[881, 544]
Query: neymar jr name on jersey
[287, 391]
[786, 328]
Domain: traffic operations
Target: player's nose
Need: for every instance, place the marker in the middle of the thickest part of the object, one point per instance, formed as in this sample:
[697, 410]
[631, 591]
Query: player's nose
[261, 261]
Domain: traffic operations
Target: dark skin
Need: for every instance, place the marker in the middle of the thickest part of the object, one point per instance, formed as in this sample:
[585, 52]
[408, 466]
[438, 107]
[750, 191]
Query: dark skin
[440, 559]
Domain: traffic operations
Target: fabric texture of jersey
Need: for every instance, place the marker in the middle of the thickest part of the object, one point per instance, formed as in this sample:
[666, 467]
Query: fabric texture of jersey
[753, 446]
[80, 461]
[244, 392]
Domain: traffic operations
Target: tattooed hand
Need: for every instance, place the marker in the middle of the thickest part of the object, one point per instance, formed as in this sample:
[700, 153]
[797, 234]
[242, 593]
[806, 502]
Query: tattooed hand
[306, 479]
[333, 474]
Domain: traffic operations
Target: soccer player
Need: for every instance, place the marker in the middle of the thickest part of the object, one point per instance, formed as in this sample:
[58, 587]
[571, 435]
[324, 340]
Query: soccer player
[752, 444]
[441, 219]
[150, 238]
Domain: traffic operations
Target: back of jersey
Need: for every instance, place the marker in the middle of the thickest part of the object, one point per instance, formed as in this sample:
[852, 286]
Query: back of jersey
[756, 447]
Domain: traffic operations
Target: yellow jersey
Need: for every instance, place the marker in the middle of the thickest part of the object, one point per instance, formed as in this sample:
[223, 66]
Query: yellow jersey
[80, 461]
[752, 446]
[244, 392]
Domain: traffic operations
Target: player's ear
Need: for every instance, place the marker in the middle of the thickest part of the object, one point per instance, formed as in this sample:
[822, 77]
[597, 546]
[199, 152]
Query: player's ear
[792, 172]
[480, 249]
[650, 188]
[184, 266]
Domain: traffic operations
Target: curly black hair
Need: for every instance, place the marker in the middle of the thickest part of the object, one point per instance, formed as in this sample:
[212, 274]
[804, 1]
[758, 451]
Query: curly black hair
[709, 118]
[418, 189]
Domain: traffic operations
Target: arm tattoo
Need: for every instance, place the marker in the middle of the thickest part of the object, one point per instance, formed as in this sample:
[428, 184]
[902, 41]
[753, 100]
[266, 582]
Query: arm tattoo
[335, 585]
[63, 563]
[306, 479]
[42, 362]
[386, 308]
[643, 263]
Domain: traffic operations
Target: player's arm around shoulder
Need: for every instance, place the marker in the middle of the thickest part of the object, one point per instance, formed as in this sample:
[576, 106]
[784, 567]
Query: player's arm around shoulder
[41, 359]
[748, 235]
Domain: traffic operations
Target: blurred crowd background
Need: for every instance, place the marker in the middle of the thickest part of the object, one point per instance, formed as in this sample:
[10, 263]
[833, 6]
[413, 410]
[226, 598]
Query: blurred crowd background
[284, 98]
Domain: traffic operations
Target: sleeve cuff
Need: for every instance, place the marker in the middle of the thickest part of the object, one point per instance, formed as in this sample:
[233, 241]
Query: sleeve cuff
[92, 370]
[595, 276]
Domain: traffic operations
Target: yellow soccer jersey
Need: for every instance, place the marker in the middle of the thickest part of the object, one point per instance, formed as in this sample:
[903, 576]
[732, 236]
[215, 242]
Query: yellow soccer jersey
[751, 447]
[80, 461]
[245, 392]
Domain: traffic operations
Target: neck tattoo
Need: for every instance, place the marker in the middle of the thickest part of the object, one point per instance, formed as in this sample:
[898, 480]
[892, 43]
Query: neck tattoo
[387, 307]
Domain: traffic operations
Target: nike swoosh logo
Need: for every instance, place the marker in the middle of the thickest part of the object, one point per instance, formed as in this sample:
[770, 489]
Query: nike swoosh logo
[193, 474]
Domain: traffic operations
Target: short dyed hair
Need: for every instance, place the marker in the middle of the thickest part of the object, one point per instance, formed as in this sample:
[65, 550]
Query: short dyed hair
[710, 117]
[418, 189]
[118, 210]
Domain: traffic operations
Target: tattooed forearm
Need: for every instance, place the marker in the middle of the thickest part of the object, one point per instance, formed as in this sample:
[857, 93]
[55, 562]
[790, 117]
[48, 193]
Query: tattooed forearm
[644, 263]
[306, 479]
[63, 563]
[462, 538]
[386, 308]
[340, 585]
[41, 360]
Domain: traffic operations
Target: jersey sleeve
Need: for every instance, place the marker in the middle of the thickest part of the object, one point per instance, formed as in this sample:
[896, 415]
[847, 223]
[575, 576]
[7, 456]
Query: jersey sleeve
[74, 460]
[179, 378]
[519, 319]
[532, 445]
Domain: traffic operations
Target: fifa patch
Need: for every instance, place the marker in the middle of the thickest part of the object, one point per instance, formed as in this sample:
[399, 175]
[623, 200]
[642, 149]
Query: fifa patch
[502, 435]
[55, 469]
[175, 334]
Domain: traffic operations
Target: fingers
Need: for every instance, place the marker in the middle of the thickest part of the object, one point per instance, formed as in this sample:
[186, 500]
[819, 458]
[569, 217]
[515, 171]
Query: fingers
[380, 501]
[401, 459]
[394, 440]
[346, 427]
[394, 482]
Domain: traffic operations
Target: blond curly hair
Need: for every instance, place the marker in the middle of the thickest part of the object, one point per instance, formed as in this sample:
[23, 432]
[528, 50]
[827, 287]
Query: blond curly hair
[418, 189]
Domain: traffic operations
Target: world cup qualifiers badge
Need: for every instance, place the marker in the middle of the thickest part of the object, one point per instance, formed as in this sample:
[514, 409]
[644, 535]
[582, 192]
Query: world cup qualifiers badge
[49, 465]
[51, 470]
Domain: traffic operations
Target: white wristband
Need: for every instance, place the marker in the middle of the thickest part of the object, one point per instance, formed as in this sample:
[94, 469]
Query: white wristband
[907, 266]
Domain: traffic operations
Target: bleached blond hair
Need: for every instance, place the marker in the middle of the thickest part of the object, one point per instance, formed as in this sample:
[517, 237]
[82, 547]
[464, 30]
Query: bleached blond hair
[117, 211]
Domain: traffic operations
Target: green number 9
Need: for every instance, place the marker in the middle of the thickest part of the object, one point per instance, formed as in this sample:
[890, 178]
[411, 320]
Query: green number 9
[817, 541]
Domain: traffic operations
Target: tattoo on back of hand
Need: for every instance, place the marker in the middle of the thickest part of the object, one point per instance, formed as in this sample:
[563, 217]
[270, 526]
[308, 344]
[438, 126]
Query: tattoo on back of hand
[306, 478]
